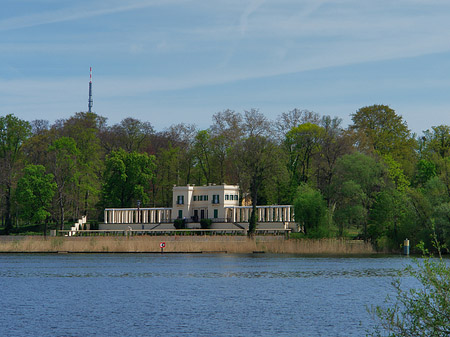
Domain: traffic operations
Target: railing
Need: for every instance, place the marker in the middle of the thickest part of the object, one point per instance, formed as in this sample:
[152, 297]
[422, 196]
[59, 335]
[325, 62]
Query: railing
[138, 232]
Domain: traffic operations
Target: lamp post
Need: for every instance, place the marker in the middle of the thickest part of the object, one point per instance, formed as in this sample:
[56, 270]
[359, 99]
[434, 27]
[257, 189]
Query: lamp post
[139, 212]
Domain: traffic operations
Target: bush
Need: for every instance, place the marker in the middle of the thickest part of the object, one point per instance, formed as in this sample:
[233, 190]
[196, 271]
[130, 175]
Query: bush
[418, 312]
[310, 210]
[205, 223]
[179, 223]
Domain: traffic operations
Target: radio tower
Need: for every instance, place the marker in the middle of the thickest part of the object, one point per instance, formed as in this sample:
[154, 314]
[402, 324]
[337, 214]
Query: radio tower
[91, 101]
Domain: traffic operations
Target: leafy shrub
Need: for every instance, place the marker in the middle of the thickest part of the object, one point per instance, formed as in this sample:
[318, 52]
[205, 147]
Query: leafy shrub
[179, 223]
[205, 223]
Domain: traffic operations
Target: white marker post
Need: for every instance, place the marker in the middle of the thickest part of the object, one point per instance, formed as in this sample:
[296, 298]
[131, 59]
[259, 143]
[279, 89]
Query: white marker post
[406, 247]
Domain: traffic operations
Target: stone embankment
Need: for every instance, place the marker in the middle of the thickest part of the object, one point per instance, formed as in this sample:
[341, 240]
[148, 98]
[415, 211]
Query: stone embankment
[182, 244]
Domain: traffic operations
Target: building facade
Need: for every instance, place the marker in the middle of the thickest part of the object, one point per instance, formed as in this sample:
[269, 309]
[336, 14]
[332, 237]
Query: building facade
[204, 202]
[220, 203]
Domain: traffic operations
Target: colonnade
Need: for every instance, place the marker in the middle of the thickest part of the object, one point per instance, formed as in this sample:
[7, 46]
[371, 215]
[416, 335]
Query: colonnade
[265, 213]
[232, 213]
[135, 215]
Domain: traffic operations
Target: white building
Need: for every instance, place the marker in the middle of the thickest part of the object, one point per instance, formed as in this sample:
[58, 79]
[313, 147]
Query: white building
[220, 203]
[204, 202]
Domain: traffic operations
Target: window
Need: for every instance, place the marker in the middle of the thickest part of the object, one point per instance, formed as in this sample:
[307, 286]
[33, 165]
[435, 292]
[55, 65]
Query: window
[180, 214]
[200, 197]
[180, 200]
[206, 198]
[216, 213]
[195, 198]
[236, 197]
[226, 196]
[215, 199]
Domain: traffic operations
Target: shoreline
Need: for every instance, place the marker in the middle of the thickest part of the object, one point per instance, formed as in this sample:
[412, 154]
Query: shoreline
[184, 244]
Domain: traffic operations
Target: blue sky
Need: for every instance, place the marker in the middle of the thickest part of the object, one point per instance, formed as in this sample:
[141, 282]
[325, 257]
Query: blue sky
[171, 61]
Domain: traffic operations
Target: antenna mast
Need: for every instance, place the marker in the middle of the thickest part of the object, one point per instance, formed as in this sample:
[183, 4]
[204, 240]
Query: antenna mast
[91, 101]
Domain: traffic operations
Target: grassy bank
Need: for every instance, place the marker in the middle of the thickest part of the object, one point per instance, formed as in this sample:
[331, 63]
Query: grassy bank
[191, 244]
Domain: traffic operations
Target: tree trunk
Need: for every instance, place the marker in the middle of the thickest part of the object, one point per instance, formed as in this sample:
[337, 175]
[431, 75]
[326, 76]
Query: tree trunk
[86, 197]
[61, 212]
[252, 222]
[45, 227]
[8, 220]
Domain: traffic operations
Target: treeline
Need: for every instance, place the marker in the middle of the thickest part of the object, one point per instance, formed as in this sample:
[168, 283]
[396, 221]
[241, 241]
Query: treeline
[374, 178]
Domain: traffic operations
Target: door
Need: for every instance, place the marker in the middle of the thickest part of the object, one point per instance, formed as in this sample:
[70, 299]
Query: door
[195, 215]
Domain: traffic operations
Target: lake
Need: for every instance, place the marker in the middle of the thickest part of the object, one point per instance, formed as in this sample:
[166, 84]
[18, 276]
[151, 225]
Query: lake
[191, 294]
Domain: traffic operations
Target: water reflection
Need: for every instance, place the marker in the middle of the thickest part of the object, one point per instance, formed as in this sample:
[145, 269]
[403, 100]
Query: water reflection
[353, 273]
[199, 295]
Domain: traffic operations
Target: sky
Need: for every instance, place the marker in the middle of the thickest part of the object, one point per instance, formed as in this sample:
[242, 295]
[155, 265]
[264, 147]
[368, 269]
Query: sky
[181, 61]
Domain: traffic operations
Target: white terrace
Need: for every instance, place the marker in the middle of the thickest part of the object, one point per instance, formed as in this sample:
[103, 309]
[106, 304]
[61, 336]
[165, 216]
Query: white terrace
[220, 203]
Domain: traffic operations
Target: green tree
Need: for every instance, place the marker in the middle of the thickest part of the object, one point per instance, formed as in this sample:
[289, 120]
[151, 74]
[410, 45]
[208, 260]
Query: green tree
[203, 154]
[426, 170]
[309, 207]
[64, 155]
[130, 134]
[84, 128]
[226, 130]
[436, 149]
[430, 217]
[286, 121]
[334, 144]
[182, 137]
[390, 219]
[13, 133]
[379, 129]
[127, 178]
[256, 161]
[34, 194]
[357, 180]
[437, 141]
[303, 143]
[165, 175]
[36, 147]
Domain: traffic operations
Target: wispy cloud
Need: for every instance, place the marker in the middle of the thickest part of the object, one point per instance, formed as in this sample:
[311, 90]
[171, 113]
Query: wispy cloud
[92, 9]
[173, 45]
[249, 10]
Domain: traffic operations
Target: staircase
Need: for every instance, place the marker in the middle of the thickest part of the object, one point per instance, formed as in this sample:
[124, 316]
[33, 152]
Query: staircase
[77, 226]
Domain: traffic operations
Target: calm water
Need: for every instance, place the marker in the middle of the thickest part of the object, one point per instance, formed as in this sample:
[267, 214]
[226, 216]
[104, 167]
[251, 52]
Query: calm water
[198, 294]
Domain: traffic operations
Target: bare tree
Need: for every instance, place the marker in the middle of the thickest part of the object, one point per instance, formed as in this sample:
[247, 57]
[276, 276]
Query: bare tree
[288, 120]
[256, 124]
